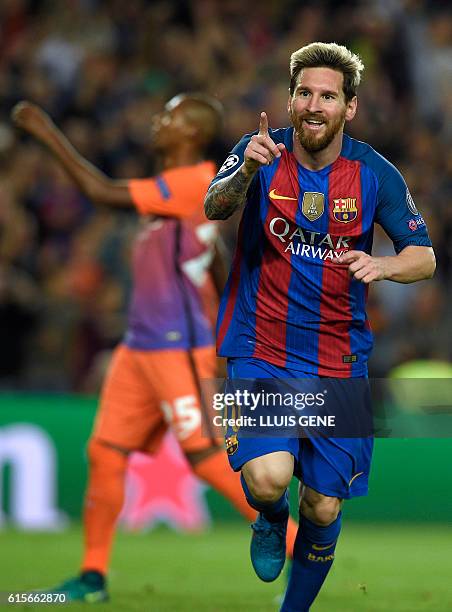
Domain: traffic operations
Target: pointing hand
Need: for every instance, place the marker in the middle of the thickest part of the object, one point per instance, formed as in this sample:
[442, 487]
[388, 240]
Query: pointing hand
[261, 149]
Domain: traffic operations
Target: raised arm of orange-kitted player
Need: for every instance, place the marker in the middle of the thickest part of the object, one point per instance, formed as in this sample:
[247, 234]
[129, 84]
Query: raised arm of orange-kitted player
[177, 192]
[97, 186]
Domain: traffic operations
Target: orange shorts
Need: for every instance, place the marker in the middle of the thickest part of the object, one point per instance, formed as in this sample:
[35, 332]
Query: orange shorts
[145, 392]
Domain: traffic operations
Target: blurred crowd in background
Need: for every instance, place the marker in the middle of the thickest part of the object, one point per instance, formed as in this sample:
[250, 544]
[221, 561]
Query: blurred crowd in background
[102, 68]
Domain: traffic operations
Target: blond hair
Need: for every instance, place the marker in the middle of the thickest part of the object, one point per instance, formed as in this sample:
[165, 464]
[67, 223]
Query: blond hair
[330, 55]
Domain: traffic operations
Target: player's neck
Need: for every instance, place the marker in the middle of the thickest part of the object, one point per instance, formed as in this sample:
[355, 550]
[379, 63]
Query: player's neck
[180, 157]
[319, 159]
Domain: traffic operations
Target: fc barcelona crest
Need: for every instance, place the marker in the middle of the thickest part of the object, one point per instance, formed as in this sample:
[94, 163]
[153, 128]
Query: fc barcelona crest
[313, 205]
[232, 444]
[345, 210]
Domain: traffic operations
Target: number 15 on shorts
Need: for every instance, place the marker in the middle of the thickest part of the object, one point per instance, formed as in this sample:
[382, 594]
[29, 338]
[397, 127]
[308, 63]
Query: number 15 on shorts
[183, 414]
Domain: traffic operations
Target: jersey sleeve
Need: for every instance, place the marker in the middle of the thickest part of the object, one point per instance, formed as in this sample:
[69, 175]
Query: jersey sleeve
[234, 160]
[396, 211]
[178, 192]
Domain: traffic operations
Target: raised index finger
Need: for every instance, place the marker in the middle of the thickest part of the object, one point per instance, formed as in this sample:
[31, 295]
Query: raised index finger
[263, 124]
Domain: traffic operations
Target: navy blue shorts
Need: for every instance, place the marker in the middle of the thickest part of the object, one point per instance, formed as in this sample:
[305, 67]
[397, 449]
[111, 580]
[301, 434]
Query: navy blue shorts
[337, 467]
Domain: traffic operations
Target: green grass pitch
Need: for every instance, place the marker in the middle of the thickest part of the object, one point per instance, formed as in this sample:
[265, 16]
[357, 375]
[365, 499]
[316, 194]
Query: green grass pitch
[378, 568]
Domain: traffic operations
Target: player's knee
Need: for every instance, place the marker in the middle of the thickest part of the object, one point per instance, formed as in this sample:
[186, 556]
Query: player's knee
[104, 456]
[265, 489]
[194, 458]
[93, 450]
[321, 511]
[267, 484]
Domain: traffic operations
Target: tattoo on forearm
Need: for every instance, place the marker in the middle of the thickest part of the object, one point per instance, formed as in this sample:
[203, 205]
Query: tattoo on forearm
[226, 196]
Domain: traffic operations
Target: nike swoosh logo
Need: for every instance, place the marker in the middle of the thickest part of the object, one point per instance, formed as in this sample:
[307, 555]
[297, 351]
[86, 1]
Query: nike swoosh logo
[315, 547]
[275, 196]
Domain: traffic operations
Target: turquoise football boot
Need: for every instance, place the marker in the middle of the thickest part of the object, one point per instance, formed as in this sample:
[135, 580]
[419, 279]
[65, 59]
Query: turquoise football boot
[268, 548]
[89, 587]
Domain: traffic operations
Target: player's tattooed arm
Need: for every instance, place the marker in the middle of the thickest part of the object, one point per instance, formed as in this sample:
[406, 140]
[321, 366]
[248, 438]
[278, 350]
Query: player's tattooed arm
[228, 194]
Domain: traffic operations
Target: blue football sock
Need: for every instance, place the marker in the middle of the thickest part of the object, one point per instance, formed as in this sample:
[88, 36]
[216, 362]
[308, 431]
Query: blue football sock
[274, 512]
[313, 556]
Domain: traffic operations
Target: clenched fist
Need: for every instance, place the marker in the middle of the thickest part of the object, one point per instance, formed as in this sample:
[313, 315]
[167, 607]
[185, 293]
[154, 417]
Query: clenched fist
[364, 267]
[32, 119]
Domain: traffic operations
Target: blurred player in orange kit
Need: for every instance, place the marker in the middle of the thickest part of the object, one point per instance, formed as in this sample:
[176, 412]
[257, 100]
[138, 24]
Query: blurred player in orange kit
[154, 376]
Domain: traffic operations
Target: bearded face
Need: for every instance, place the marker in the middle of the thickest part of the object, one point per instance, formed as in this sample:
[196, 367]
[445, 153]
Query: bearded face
[318, 108]
[315, 131]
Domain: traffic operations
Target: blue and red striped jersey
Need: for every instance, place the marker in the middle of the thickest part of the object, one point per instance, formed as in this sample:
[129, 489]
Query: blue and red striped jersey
[287, 300]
